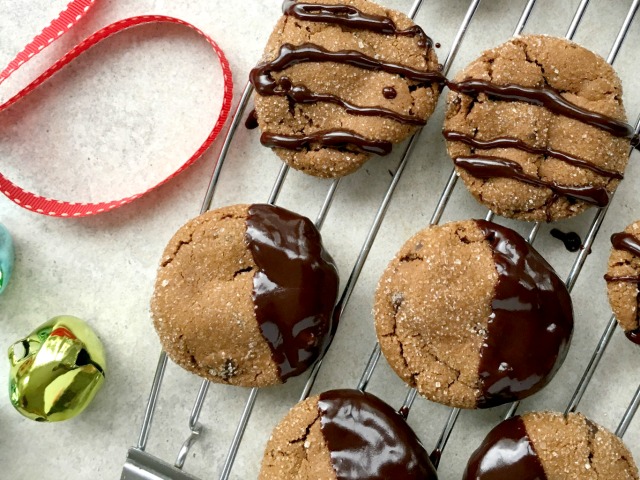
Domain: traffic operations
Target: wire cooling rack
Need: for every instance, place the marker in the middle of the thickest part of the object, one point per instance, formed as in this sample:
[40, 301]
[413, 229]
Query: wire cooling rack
[142, 465]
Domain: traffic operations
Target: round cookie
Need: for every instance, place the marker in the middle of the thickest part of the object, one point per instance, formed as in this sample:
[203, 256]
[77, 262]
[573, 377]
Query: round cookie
[623, 277]
[551, 446]
[472, 316]
[536, 128]
[344, 434]
[340, 80]
[245, 295]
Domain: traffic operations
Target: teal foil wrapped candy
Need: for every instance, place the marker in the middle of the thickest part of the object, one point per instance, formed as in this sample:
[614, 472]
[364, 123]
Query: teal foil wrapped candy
[7, 257]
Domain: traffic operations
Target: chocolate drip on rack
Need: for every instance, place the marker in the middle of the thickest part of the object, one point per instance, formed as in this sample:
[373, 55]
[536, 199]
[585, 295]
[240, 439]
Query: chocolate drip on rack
[252, 120]
[506, 454]
[485, 167]
[510, 142]
[531, 323]
[547, 97]
[571, 240]
[367, 439]
[351, 17]
[339, 139]
[295, 288]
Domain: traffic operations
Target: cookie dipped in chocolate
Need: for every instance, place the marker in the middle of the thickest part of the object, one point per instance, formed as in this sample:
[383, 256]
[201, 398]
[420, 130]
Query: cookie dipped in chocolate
[367, 439]
[295, 288]
[531, 324]
[505, 454]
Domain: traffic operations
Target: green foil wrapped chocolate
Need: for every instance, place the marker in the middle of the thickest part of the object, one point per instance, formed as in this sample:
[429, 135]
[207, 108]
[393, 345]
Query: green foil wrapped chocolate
[56, 370]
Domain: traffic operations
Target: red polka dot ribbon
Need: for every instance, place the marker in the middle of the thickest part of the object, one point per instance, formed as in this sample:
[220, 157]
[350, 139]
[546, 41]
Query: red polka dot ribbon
[74, 11]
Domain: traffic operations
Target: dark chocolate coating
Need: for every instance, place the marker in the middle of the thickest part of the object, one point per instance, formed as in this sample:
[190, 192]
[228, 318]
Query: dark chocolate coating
[634, 336]
[484, 167]
[505, 454]
[510, 142]
[531, 324]
[545, 96]
[368, 440]
[295, 288]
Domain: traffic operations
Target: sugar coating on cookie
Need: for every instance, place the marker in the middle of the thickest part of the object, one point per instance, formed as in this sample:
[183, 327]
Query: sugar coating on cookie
[623, 277]
[344, 434]
[543, 159]
[340, 80]
[551, 446]
[245, 294]
[472, 316]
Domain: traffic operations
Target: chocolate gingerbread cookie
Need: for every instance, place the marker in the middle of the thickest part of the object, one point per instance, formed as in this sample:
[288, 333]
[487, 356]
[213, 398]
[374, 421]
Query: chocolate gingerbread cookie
[551, 446]
[536, 128]
[245, 295]
[472, 316]
[341, 80]
[623, 277]
[345, 434]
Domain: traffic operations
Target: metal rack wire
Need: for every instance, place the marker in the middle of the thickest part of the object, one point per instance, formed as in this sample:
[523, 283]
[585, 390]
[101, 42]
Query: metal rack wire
[142, 465]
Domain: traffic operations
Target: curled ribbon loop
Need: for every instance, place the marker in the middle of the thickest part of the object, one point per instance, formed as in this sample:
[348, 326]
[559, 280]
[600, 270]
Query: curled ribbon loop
[74, 11]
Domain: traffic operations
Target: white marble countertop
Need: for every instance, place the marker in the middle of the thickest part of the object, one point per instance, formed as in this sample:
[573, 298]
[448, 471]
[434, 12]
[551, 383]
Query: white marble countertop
[133, 109]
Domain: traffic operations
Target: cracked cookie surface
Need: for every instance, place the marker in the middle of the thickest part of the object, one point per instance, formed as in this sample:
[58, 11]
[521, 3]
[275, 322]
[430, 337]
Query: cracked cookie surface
[624, 294]
[553, 446]
[583, 79]
[450, 297]
[344, 434]
[211, 313]
[360, 87]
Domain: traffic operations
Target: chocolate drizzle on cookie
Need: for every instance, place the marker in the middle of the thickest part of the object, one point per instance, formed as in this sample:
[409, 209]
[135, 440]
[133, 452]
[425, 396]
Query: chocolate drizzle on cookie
[349, 17]
[367, 439]
[295, 287]
[486, 167]
[507, 453]
[339, 139]
[511, 142]
[531, 323]
[629, 243]
[547, 97]
[301, 94]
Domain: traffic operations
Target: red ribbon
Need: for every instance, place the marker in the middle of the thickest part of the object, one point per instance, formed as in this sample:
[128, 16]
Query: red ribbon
[74, 11]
